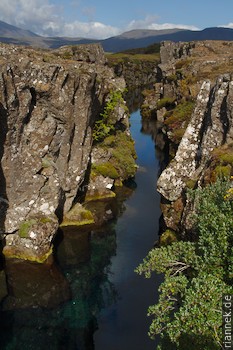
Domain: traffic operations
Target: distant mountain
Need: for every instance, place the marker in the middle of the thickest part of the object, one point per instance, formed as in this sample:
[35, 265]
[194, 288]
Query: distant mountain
[129, 40]
[14, 35]
[9, 31]
[141, 38]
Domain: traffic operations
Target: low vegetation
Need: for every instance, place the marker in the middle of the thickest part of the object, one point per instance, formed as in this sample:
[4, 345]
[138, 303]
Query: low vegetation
[149, 53]
[122, 161]
[197, 274]
[178, 118]
[104, 126]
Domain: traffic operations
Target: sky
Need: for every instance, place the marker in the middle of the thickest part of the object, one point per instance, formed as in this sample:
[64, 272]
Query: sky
[101, 19]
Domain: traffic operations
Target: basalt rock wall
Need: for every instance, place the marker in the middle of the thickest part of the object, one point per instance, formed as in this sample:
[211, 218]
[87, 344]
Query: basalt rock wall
[49, 102]
[192, 102]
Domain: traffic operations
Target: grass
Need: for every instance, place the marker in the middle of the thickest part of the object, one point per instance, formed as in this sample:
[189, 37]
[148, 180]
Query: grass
[116, 58]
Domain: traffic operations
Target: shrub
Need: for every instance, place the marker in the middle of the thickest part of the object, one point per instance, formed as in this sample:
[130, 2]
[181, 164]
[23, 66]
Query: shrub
[105, 125]
[197, 274]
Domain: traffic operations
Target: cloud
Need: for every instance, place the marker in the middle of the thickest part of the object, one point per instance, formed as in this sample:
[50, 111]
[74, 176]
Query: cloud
[150, 22]
[35, 15]
[45, 18]
[229, 25]
[89, 30]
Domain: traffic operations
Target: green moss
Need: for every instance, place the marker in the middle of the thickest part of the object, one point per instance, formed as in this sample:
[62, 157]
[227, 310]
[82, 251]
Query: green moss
[46, 163]
[10, 253]
[106, 169]
[178, 118]
[167, 237]
[97, 195]
[45, 220]
[222, 171]
[77, 216]
[227, 158]
[124, 155]
[25, 227]
[166, 102]
[177, 135]
[182, 112]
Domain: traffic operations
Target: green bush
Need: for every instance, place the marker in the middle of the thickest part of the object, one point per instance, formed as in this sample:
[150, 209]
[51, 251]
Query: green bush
[105, 125]
[197, 274]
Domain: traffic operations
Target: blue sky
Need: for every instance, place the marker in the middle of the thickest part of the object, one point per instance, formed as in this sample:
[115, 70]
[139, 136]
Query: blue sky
[105, 18]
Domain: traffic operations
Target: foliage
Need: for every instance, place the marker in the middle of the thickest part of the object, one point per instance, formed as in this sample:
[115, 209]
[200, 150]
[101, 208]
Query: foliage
[196, 274]
[104, 126]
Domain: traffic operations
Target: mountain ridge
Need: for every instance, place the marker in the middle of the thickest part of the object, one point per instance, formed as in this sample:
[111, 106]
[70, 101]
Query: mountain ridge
[132, 39]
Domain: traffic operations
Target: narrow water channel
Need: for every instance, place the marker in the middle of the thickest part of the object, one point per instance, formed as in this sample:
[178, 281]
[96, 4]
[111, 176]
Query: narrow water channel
[90, 298]
[124, 325]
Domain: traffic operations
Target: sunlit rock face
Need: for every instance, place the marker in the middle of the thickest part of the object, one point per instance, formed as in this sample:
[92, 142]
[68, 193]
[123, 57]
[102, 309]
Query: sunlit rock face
[210, 127]
[49, 102]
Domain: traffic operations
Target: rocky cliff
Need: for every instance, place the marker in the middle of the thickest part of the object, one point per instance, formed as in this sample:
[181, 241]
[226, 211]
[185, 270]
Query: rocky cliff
[193, 103]
[49, 104]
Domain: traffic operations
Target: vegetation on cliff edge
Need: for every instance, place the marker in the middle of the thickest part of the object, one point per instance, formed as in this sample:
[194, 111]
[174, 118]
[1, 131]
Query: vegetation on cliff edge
[196, 275]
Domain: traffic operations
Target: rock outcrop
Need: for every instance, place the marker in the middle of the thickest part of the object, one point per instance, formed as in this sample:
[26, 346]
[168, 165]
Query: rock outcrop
[210, 127]
[192, 103]
[49, 103]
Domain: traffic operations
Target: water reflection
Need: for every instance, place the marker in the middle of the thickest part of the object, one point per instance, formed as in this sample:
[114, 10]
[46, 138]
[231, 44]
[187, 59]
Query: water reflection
[54, 306]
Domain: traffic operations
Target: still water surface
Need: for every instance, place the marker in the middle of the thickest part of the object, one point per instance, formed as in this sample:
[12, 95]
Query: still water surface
[124, 325]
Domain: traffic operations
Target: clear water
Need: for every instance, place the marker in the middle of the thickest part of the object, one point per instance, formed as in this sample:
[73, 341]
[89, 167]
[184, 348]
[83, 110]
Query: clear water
[124, 325]
[90, 297]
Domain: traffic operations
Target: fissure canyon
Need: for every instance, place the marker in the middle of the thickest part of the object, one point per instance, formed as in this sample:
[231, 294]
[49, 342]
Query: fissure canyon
[78, 183]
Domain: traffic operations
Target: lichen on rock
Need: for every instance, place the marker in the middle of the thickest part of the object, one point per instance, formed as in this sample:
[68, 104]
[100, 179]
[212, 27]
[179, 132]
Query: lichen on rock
[49, 103]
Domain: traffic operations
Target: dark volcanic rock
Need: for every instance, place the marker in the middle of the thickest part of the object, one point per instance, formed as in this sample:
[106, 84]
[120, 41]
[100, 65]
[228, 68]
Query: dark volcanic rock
[49, 102]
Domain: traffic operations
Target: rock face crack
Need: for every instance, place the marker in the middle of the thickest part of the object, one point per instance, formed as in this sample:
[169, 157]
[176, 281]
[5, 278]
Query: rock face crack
[209, 128]
[47, 111]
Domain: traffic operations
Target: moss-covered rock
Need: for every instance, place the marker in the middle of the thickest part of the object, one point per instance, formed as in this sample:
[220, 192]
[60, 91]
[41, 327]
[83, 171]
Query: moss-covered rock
[106, 169]
[77, 216]
[33, 241]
